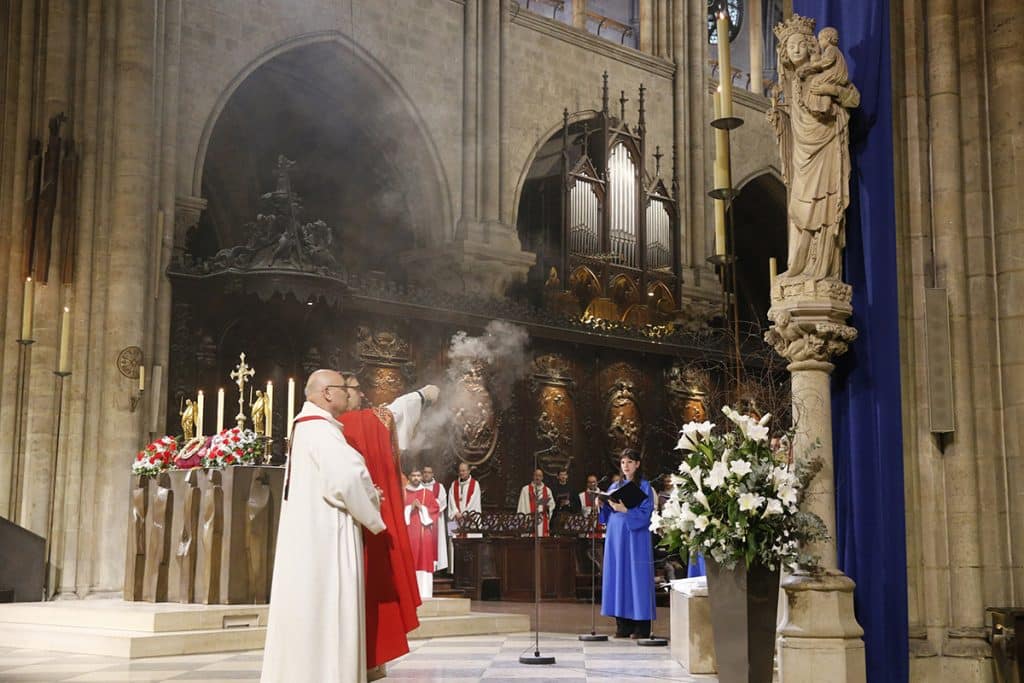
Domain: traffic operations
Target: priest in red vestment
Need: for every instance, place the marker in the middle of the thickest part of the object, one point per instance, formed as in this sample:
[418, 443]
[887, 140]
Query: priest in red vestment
[421, 515]
[392, 595]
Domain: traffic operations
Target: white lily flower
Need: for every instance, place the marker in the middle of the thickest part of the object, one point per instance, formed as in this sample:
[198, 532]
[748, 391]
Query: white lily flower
[774, 507]
[716, 477]
[701, 523]
[655, 524]
[684, 467]
[787, 494]
[764, 420]
[701, 498]
[740, 468]
[750, 501]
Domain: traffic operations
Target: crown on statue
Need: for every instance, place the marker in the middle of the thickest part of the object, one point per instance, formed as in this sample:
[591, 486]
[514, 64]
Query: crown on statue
[796, 24]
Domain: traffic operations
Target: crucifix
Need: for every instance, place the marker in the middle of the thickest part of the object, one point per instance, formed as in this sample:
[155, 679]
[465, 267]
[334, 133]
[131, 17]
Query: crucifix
[241, 374]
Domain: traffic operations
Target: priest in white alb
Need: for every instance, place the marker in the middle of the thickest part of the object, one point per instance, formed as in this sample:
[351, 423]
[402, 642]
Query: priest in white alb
[421, 514]
[536, 498]
[315, 627]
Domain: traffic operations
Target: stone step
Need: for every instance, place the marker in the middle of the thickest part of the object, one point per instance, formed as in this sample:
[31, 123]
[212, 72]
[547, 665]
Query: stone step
[120, 629]
[474, 624]
[130, 644]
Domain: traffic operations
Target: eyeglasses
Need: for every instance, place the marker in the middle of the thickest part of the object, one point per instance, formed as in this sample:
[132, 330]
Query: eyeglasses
[335, 386]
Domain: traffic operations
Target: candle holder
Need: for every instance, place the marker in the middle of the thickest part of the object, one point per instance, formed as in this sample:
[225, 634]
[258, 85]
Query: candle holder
[721, 259]
[727, 122]
[268, 449]
[26, 342]
[726, 194]
[134, 399]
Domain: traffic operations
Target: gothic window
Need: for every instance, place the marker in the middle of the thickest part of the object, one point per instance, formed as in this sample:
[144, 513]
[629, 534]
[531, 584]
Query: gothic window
[735, 9]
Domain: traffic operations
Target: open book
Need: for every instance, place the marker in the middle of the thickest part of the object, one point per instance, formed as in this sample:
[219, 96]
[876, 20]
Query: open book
[629, 494]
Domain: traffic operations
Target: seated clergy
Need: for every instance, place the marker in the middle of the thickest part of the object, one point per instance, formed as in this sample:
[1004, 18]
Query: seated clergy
[536, 498]
[421, 515]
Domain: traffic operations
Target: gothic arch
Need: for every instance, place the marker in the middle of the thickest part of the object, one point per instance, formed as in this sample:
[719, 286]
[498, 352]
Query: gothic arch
[339, 58]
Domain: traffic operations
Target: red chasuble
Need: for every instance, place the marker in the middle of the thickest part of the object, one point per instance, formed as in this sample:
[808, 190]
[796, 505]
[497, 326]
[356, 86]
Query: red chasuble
[423, 539]
[392, 595]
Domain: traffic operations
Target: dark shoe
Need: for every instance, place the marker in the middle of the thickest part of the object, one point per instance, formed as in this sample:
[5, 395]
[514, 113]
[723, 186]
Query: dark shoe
[635, 636]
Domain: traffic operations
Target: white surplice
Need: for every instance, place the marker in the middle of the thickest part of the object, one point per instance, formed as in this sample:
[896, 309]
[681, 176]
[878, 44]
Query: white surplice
[464, 496]
[316, 624]
[540, 493]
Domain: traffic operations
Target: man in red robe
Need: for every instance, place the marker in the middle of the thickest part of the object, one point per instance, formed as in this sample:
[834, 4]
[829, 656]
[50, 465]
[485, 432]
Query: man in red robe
[421, 515]
[392, 595]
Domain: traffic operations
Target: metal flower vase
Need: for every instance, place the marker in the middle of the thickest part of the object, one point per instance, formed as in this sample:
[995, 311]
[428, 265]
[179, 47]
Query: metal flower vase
[744, 610]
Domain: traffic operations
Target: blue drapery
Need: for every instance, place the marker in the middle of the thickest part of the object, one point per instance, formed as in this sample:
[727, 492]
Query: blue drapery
[868, 446]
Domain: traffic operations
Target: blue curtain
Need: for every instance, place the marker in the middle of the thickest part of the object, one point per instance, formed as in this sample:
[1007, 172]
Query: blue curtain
[871, 529]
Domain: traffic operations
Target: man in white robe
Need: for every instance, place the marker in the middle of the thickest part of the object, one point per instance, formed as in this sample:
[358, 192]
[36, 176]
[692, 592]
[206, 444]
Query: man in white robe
[463, 496]
[315, 627]
[536, 497]
[437, 488]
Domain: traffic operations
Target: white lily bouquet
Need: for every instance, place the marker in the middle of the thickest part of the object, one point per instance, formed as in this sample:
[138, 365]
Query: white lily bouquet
[736, 498]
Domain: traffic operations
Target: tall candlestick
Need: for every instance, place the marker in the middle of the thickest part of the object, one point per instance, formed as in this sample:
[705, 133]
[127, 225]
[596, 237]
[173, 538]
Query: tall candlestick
[773, 271]
[26, 309]
[719, 227]
[724, 63]
[65, 335]
[220, 410]
[291, 408]
[722, 161]
[142, 378]
[270, 409]
[201, 403]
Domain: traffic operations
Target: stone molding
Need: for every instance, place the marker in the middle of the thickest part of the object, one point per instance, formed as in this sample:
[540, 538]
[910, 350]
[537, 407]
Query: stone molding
[564, 32]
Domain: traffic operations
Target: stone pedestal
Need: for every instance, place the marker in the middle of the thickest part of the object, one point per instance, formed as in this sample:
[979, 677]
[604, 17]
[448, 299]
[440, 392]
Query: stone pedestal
[692, 641]
[820, 639]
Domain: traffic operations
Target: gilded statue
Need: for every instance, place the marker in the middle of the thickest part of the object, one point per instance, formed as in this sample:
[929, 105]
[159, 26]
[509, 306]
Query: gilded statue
[810, 113]
[188, 420]
[258, 410]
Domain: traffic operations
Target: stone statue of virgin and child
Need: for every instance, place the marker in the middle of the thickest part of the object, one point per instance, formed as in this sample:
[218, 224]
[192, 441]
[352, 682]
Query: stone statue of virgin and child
[810, 113]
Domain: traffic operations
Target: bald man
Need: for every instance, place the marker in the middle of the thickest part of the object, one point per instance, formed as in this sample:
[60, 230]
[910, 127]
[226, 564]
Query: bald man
[315, 629]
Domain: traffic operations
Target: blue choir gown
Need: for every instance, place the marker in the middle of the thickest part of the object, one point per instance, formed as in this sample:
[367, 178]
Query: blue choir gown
[627, 584]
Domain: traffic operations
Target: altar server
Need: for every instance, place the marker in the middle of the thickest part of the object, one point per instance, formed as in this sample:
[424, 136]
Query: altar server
[315, 624]
[627, 584]
[421, 514]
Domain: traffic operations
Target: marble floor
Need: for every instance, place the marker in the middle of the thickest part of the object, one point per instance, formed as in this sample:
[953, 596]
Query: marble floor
[453, 660]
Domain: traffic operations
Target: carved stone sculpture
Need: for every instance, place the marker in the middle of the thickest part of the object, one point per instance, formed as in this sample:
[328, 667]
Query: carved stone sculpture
[810, 115]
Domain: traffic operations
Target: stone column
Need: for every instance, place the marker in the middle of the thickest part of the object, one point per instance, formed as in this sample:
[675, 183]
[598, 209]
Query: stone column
[755, 29]
[486, 255]
[128, 251]
[646, 38]
[820, 639]
[579, 14]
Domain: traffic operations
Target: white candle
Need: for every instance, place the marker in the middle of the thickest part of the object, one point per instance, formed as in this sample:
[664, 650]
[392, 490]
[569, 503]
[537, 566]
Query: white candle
[220, 410]
[201, 401]
[291, 408]
[65, 337]
[719, 227]
[142, 378]
[26, 309]
[270, 409]
[724, 63]
[723, 179]
[773, 271]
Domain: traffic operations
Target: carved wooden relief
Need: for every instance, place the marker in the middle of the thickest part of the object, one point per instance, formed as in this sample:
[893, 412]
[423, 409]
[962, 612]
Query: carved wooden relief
[556, 412]
[622, 411]
[687, 390]
[257, 533]
[474, 424]
[385, 360]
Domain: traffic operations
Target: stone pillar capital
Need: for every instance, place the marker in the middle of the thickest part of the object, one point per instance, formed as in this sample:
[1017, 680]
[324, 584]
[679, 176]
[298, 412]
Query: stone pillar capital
[809, 322]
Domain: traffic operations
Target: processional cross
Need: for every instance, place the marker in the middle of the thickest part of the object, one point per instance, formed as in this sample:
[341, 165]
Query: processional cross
[241, 374]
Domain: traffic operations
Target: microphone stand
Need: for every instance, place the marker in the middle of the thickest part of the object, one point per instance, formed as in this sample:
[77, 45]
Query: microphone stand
[536, 658]
[593, 636]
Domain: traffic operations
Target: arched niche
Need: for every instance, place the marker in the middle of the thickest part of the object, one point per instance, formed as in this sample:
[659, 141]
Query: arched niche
[760, 214]
[364, 163]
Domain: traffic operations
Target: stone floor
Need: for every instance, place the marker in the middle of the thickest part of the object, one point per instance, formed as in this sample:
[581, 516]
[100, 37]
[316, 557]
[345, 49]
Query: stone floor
[469, 658]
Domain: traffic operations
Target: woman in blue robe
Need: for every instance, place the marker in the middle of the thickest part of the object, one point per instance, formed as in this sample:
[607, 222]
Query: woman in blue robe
[627, 584]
